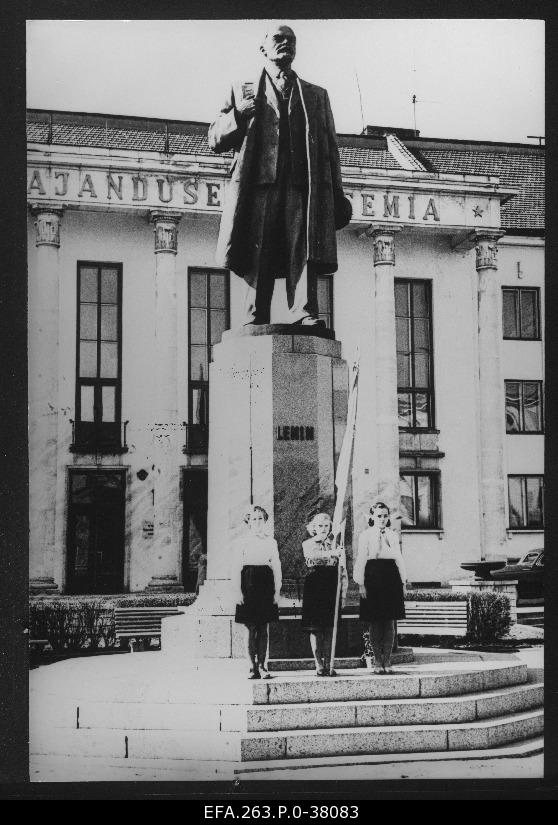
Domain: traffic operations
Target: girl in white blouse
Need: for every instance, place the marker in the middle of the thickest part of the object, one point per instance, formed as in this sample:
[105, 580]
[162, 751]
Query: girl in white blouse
[380, 574]
[257, 575]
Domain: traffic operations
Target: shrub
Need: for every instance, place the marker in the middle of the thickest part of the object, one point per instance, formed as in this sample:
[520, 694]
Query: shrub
[153, 600]
[76, 622]
[439, 595]
[489, 616]
[71, 625]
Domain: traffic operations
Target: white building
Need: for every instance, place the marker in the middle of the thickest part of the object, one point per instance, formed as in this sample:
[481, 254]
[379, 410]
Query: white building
[440, 286]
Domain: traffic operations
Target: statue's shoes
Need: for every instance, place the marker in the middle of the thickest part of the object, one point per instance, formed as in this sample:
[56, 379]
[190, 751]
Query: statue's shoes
[310, 321]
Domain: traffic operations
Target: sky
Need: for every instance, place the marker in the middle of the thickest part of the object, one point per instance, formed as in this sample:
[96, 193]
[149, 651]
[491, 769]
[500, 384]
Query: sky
[473, 79]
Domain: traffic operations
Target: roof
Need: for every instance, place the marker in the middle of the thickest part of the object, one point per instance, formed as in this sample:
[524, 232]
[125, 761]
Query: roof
[523, 171]
[519, 166]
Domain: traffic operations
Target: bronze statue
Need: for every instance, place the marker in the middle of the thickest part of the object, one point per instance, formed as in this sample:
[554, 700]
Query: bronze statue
[285, 200]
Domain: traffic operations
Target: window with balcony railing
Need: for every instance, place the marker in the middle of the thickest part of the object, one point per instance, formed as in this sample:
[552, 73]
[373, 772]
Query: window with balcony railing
[98, 426]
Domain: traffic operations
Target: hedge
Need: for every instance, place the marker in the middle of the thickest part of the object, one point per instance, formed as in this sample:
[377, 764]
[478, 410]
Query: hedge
[439, 595]
[78, 622]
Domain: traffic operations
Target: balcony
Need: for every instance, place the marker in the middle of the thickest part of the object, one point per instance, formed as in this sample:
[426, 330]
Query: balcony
[106, 438]
[197, 438]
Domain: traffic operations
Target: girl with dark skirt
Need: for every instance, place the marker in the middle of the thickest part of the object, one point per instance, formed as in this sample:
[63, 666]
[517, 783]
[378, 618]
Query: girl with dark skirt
[257, 575]
[380, 574]
[320, 589]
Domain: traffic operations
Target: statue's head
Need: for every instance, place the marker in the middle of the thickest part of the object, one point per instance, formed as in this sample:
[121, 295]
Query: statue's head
[279, 45]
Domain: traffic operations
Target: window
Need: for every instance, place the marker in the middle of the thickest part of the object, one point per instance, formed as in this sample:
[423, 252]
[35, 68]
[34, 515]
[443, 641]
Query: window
[413, 318]
[526, 502]
[99, 357]
[325, 299]
[524, 407]
[209, 317]
[521, 314]
[420, 500]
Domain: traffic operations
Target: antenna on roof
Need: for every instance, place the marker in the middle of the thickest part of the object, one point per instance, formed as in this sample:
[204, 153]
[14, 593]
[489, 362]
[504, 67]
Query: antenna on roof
[360, 99]
[414, 99]
[540, 138]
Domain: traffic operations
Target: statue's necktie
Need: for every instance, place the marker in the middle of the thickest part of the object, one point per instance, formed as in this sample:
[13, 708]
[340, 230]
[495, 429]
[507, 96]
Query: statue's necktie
[283, 83]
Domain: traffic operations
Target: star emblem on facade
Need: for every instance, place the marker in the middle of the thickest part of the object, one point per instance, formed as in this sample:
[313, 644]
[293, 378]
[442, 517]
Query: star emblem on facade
[477, 211]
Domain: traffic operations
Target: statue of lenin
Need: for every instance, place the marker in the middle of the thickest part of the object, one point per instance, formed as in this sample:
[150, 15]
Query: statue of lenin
[285, 199]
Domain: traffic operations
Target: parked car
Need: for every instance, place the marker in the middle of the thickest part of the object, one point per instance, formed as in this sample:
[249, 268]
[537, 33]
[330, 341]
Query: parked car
[529, 572]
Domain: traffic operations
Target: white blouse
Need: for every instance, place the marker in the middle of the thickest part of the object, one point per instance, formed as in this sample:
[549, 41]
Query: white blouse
[257, 550]
[375, 545]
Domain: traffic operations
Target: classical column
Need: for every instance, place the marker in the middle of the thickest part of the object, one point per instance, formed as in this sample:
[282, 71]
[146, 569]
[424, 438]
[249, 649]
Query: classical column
[43, 320]
[166, 573]
[490, 392]
[385, 361]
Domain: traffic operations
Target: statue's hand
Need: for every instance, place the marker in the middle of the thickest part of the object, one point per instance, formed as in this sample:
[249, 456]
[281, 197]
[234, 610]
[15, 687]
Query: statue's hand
[246, 108]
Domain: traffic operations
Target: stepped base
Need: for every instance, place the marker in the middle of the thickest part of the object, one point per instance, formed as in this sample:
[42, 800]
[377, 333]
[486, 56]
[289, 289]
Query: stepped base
[146, 706]
[393, 739]
[402, 656]
[383, 766]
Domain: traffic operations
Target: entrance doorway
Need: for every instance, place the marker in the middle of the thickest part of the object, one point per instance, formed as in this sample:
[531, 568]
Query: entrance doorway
[194, 534]
[95, 558]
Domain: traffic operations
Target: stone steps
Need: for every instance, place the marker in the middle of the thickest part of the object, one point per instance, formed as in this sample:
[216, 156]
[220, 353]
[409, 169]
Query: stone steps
[395, 712]
[229, 718]
[195, 714]
[385, 765]
[483, 734]
[403, 655]
[124, 743]
[363, 685]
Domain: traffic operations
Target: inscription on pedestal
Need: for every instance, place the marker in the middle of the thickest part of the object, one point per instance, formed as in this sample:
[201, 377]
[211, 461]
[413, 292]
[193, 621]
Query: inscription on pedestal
[296, 433]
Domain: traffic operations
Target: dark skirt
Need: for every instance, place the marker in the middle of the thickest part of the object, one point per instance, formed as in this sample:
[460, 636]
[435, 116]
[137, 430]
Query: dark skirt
[318, 598]
[258, 590]
[384, 591]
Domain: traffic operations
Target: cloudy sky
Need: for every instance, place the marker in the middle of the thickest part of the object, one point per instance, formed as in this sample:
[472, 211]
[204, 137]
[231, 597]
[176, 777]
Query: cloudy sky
[477, 79]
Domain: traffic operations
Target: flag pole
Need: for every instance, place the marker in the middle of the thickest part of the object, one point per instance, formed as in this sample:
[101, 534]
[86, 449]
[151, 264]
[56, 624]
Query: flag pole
[341, 481]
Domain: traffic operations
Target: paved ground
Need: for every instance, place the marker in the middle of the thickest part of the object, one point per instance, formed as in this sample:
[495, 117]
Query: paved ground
[96, 769]
[94, 677]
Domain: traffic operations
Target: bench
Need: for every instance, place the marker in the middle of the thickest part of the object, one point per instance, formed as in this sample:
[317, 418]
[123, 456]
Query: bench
[134, 625]
[434, 618]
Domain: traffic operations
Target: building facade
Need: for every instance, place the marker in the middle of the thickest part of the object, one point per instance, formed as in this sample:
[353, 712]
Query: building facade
[440, 289]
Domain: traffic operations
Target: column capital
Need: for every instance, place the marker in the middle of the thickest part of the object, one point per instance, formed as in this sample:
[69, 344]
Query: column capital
[383, 240]
[165, 227]
[47, 224]
[486, 246]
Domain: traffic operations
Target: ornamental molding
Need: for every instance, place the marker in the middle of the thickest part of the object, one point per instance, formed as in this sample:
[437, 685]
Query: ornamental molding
[165, 230]
[47, 225]
[383, 241]
[486, 248]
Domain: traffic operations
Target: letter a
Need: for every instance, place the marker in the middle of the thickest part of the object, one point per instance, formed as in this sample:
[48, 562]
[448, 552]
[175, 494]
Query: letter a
[431, 210]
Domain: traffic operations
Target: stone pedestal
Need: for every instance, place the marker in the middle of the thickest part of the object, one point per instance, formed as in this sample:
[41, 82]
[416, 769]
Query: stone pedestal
[277, 418]
[507, 587]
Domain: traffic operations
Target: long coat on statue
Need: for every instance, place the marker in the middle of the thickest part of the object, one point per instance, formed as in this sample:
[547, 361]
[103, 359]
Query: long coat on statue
[315, 165]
